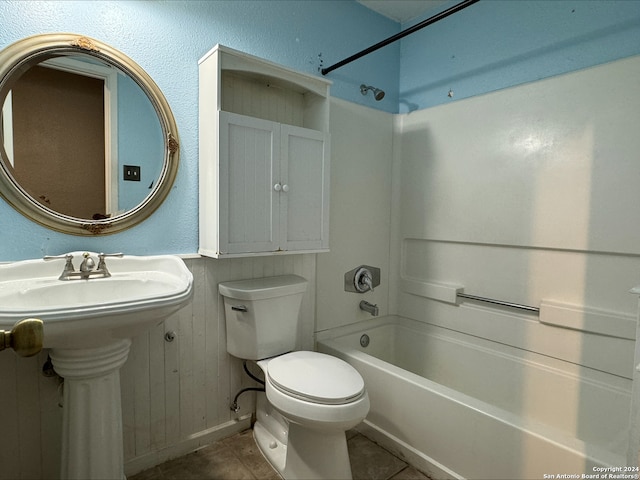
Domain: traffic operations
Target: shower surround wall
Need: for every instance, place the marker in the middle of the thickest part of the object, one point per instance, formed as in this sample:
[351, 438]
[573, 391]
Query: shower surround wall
[527, 195]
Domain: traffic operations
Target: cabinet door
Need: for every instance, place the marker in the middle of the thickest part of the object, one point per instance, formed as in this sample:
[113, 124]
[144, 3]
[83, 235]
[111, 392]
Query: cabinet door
[248, 217]
[304, 199]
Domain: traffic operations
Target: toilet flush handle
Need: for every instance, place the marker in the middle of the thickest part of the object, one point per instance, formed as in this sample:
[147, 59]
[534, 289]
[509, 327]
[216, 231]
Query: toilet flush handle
[239, 308]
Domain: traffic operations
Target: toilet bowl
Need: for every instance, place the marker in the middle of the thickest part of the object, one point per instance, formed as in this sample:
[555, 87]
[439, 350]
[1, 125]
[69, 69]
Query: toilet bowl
[313, 398]
[310, 398]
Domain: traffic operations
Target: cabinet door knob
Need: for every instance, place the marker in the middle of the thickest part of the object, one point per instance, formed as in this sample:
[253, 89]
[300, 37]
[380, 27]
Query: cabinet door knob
[285, 188]
[277, 187]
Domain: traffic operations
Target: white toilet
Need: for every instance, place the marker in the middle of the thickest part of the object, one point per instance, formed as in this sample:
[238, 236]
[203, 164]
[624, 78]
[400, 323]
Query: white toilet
[311, 398]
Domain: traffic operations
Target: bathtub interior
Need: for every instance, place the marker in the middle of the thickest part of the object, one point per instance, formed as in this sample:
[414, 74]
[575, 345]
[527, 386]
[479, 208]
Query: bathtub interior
[562, 399]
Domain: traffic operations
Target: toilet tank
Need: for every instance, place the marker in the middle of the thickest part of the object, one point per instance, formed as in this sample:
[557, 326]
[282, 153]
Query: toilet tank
[262, 315]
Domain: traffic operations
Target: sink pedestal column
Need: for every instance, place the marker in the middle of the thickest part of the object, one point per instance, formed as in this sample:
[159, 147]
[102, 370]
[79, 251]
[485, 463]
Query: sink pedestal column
[92, 410]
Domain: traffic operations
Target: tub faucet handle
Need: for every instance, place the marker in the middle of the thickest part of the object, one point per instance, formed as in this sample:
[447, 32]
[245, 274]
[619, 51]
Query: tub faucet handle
[367, 280]
[362, 279]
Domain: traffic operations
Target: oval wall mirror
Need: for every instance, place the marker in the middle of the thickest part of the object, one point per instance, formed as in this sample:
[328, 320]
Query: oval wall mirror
[88, 143]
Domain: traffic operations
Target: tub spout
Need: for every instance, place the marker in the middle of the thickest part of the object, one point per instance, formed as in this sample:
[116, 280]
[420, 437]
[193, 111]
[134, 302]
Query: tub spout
[369, 307]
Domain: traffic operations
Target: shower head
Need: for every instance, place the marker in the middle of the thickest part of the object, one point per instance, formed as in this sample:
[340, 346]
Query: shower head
[377, 93]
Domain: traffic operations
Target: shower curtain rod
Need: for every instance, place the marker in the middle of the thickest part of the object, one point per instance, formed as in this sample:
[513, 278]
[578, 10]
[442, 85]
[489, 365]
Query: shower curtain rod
[398, 36]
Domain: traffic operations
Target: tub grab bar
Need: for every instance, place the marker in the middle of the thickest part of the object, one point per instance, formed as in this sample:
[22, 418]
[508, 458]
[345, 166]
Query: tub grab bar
[499, 302]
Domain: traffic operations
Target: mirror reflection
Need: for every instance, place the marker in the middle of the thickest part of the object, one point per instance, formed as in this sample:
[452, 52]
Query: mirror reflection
[81, 137]
[88, 142]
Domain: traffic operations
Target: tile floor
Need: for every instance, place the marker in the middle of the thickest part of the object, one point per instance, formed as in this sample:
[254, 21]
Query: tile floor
[238, 458]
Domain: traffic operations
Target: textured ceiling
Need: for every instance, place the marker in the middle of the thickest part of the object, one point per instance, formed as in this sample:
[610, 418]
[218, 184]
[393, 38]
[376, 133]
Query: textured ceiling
[402, 10]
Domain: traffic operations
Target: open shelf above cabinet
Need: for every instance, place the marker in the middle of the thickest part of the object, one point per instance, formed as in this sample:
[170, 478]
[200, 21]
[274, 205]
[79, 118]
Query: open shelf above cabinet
[264, 154]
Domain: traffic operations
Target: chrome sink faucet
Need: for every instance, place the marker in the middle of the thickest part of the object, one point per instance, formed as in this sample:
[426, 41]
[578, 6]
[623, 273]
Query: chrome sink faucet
[87, 267]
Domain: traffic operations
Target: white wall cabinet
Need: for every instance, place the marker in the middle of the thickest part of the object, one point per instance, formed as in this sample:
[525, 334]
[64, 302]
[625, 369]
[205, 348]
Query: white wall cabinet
[264, 158]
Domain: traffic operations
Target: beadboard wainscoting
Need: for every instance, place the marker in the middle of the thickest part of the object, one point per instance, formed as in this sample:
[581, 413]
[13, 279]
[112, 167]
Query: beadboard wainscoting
[175, 394]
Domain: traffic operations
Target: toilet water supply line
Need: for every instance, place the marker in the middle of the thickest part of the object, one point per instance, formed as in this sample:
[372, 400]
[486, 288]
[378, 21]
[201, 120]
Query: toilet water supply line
[234, 406]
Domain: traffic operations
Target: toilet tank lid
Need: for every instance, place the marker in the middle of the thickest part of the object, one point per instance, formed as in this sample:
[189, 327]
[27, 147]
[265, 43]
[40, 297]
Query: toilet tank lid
[261, 288]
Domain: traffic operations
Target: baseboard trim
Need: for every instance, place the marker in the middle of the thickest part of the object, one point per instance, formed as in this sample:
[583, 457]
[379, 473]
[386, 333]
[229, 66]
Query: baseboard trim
[187, 445]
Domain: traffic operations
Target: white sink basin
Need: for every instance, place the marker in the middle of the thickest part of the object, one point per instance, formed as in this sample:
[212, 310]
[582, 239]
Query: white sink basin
[88, 325]
[81, 313]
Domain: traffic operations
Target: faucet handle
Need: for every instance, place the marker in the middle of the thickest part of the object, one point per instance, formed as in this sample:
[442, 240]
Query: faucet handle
[102, 264]
[363, 280]
[57, 257]
[367, 279]
[68, 266]
[102, 256]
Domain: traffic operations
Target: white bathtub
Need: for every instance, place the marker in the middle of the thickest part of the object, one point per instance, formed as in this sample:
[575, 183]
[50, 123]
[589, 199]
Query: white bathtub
[457, 406]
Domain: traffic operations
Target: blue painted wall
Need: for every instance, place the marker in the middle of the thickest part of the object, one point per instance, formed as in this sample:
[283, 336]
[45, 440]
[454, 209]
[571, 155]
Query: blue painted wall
[167, 38]
[491, 45]
[495, 44]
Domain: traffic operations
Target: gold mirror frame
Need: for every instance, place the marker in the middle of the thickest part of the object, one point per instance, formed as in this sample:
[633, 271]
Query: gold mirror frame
[22, 55]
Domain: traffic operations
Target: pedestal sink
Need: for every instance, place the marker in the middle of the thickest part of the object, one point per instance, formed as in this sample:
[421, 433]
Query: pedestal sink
[88, 323]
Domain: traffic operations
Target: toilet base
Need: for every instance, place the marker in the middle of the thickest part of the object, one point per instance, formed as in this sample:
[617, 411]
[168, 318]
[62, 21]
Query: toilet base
[299, 453]
[316, 455]
[274, 451]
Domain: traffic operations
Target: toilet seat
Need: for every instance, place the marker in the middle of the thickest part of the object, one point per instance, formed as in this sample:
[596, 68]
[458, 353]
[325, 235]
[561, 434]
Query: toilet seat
[315, 377]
